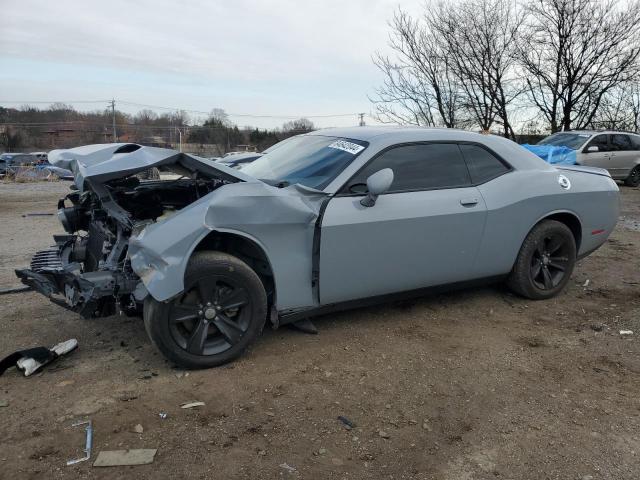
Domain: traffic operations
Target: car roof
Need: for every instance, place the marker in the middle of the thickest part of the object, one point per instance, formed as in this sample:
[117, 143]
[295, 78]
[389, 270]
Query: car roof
[420, 133]
[597, 132]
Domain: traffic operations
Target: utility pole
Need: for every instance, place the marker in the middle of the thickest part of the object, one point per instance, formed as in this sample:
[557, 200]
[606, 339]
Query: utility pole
[113, 118]
[361, 115]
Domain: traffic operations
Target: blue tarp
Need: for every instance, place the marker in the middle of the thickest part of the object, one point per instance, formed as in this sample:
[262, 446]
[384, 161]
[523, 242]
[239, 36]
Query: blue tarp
[553, 154]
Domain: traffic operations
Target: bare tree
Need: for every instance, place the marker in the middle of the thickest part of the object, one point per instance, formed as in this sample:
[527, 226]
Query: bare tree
[299, 125]
[619, 109]
[419, 87]
[145, 117]
[219, 117]
[454, 67]
[575, 52]
[479, 37]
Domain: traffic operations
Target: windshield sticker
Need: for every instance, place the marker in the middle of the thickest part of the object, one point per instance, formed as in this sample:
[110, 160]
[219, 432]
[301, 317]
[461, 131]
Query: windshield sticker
[352, 148]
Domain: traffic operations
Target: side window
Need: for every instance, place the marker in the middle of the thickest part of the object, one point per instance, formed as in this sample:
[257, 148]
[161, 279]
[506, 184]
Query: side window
[635, 141]
[483, 165]
[620, 142]
[599, 141]
[418, 167]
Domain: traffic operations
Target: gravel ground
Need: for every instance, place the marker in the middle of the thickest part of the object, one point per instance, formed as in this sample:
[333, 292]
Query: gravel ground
[477, 384]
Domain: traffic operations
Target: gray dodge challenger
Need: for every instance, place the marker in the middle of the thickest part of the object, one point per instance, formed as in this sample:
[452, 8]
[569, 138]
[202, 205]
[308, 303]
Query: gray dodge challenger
[330, 220]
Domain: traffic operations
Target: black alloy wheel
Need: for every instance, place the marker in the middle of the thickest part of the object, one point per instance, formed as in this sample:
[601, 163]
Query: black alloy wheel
[211, 316]
[545, 261]
[222, 310]
[550, 261]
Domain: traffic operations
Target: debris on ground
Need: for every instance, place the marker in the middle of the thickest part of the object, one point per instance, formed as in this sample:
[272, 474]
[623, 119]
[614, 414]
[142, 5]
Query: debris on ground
[138, 429]
[626, 332]
[118, 458]
[88, 443]
[597, 327]
[383, 434]
[3, 403]
[192, 405]
[127, 397]
[586, 283]
[23, 288]
[32, 360]
[348, 424]
[287, 467]
[37, 214]
[162, 415]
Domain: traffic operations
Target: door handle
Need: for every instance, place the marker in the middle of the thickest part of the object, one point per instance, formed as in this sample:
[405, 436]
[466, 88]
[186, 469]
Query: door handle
[469, 202]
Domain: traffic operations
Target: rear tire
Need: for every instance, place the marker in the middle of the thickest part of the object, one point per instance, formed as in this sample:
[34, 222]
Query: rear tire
[545, 261]
[220, 313]
[633, 180]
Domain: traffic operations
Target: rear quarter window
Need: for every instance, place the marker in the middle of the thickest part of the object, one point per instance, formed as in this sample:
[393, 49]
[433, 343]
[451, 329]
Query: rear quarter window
[483, 165]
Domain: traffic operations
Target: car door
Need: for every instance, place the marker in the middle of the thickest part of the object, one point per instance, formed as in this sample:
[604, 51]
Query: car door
[622, 157]
[601, 157]
[423, 231]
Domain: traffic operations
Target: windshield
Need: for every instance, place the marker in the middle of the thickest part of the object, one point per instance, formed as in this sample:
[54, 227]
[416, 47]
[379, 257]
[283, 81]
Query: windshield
[571, 140]
[278, 145]
[310, 160]
[6, 156]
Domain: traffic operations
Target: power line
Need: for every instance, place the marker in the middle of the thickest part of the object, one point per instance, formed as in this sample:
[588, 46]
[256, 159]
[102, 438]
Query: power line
[123, 126]
[174, 109]
[293, 117]
[52, 102]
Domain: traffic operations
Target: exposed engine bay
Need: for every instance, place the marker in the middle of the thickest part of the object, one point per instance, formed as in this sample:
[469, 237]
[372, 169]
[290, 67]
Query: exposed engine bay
[89, 269]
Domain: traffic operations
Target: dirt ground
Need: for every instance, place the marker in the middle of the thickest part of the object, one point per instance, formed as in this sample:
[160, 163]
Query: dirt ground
[477, 384]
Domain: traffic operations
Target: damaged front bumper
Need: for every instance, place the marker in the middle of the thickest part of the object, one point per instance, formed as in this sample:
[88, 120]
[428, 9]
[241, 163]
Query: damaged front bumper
[54, 274]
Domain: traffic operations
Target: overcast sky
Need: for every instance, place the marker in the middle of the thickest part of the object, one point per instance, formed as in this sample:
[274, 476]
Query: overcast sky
[279, 57]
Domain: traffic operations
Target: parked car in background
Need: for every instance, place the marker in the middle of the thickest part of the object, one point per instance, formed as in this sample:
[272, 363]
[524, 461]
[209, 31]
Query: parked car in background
[617, 152]
[10, 161]
[238, 160]
[57, 172]
[42, 157]
[330, 220]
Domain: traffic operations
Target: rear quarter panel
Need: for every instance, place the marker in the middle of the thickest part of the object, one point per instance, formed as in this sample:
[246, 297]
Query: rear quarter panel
[517, 201]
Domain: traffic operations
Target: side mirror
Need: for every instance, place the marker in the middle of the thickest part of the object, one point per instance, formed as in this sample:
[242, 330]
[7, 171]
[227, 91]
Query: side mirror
[377, 184]
[592, 148]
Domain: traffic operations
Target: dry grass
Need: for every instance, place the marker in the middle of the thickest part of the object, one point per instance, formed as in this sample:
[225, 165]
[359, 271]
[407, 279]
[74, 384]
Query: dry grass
[29, 174]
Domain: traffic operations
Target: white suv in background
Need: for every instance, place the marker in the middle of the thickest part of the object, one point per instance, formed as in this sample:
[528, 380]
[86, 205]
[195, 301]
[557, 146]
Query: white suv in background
[617, 152]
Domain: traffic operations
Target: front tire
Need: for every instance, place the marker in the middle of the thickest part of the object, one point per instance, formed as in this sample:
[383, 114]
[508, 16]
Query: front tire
[633, 180]
[545, 262]
[221, 311]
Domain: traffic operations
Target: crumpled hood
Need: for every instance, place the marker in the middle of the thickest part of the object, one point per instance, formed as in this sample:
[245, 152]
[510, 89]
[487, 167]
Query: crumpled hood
[108, 161]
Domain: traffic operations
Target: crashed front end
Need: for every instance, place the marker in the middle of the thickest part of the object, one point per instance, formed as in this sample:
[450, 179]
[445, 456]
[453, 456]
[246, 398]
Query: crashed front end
[89, 269]
[60, 274]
